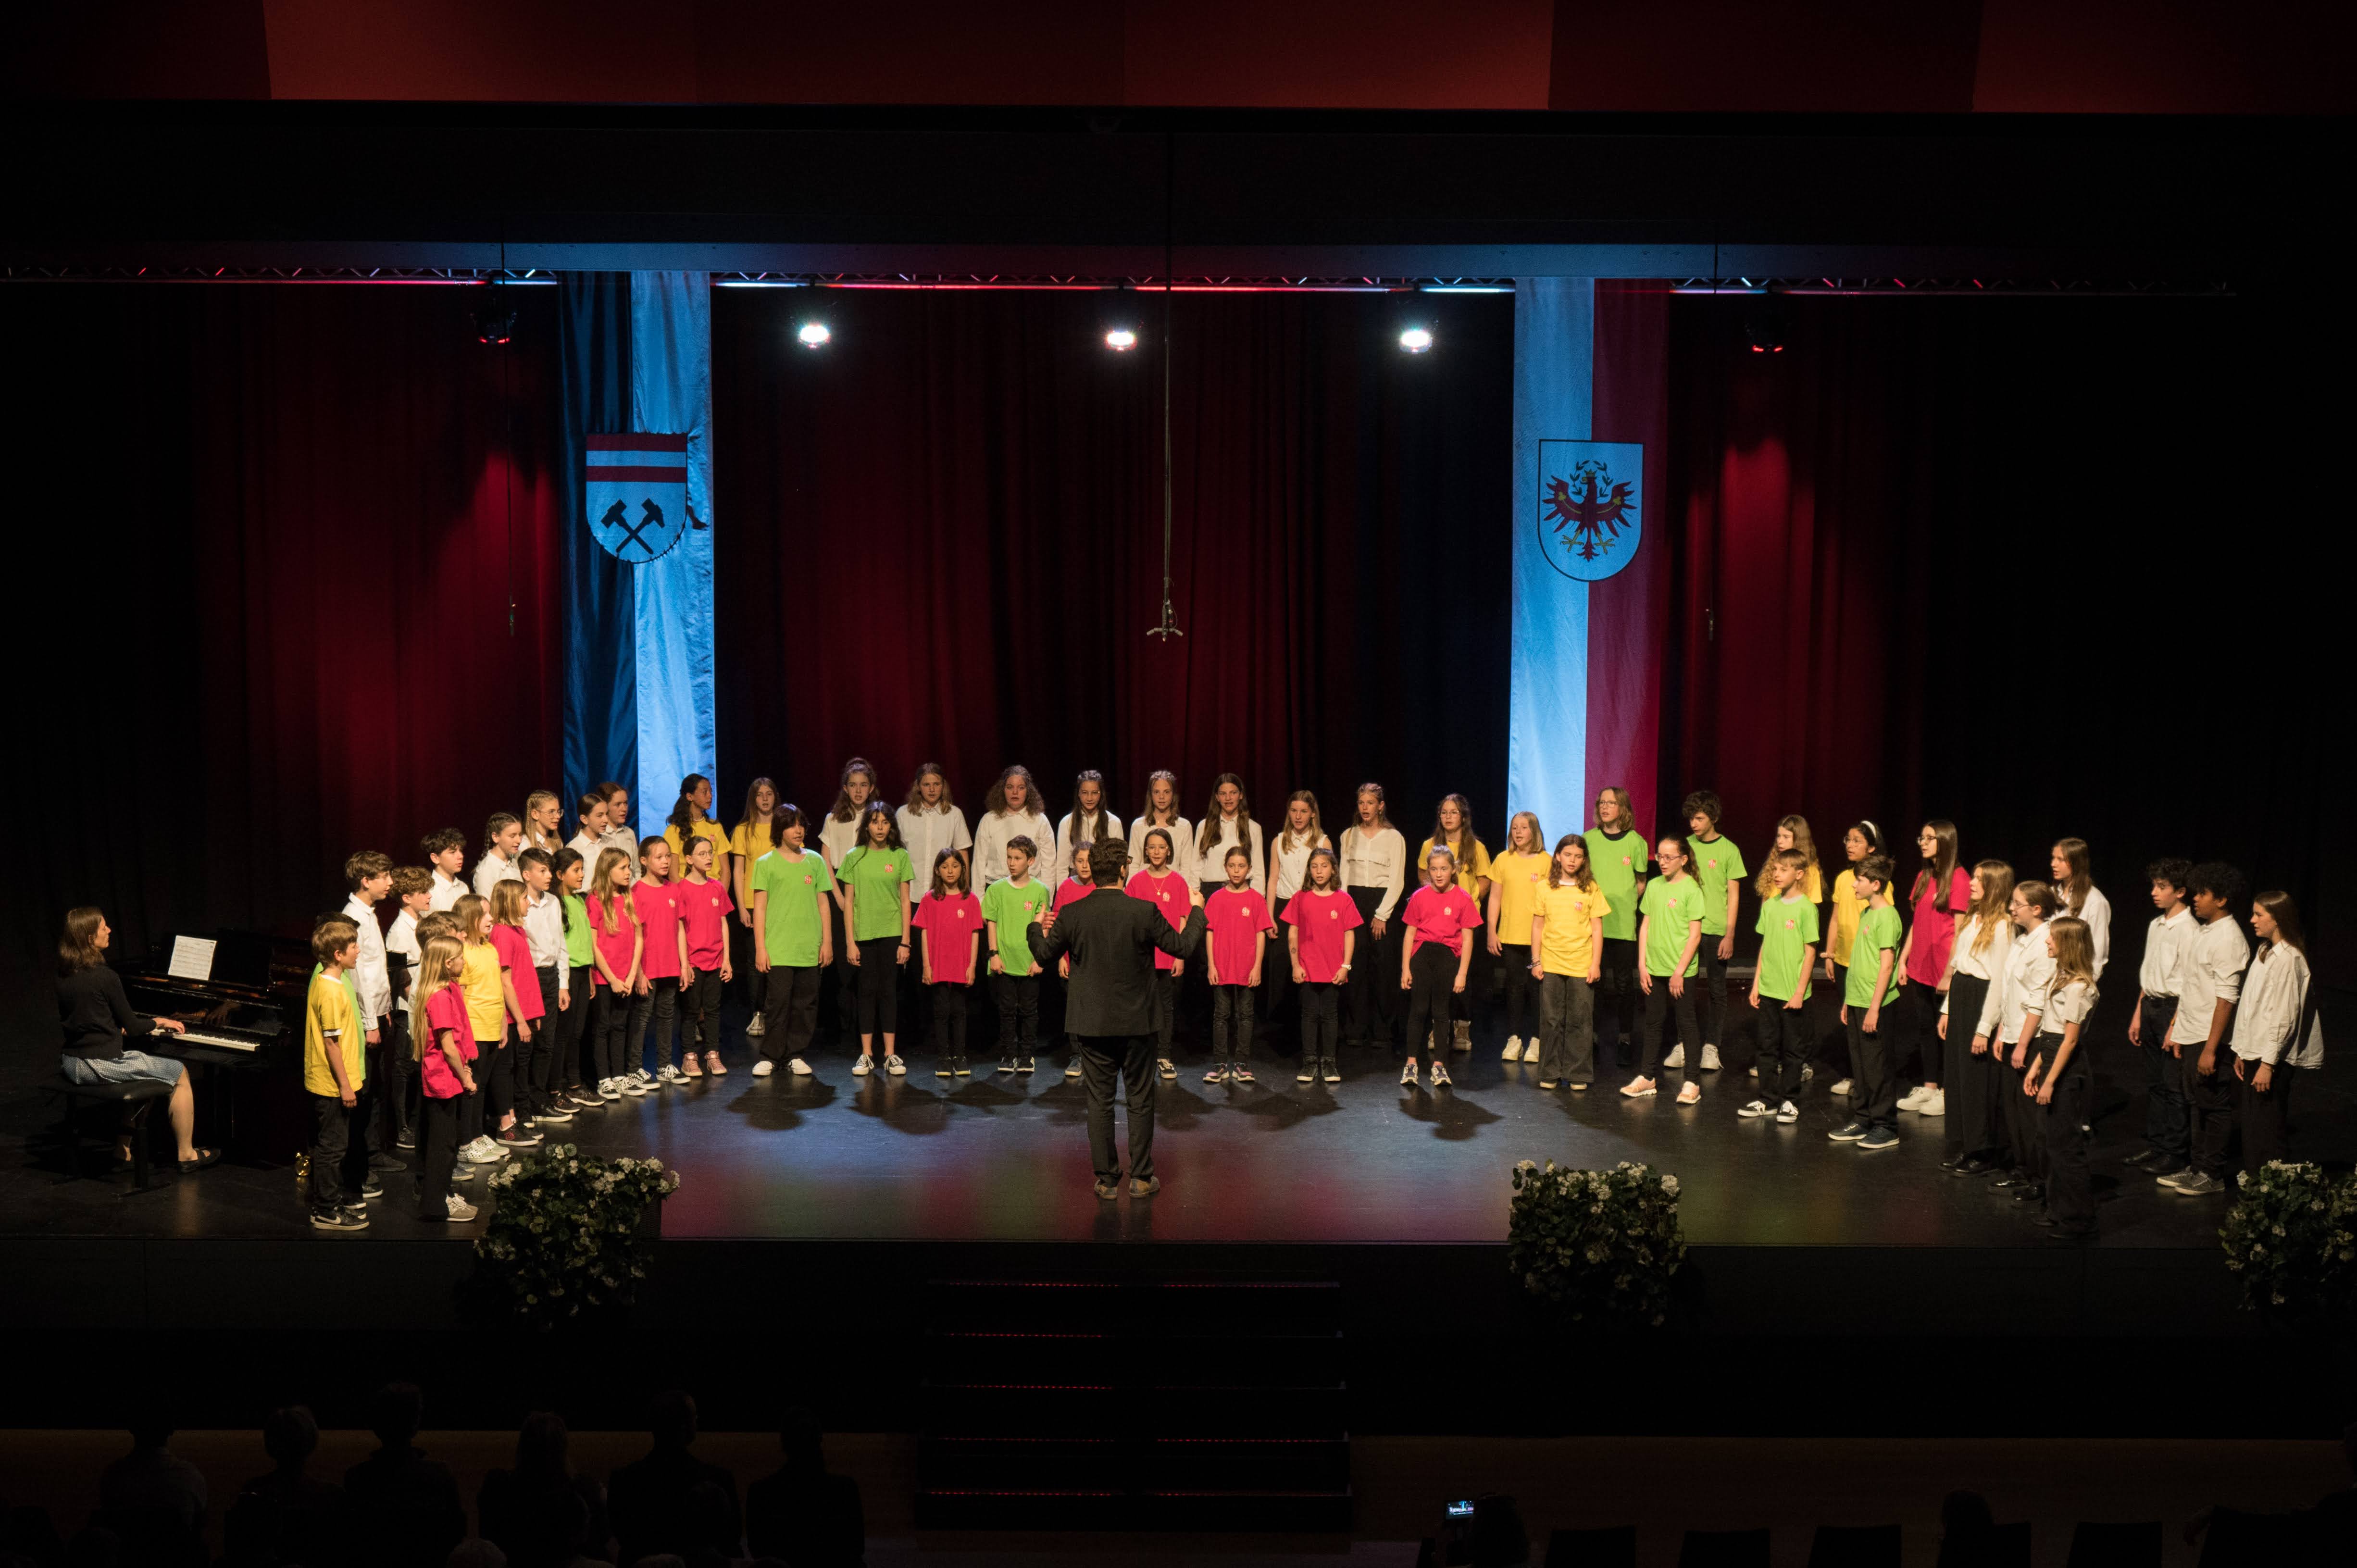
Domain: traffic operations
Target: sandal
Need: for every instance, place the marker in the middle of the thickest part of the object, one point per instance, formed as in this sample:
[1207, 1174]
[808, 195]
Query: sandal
[713, 1064]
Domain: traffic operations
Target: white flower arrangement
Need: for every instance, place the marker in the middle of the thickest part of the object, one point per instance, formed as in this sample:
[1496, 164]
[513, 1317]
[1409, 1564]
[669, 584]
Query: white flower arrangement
[2292, 1237]
[564, 1240]
[1604, 1244]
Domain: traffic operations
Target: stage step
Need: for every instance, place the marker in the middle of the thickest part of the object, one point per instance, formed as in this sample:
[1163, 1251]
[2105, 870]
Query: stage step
[1128, 1402]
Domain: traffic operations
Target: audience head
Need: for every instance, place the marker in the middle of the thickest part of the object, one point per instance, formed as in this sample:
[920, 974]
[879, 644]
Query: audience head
[289, 1435]
[540, 1445]
[395, 1412]
[1965, 1516]
[1498, 1538]
[477, 1552]
[671, 1419]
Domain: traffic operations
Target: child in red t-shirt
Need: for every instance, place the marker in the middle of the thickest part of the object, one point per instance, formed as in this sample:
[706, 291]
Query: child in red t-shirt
[663, 963]
[619, 1012]
[1237, 918]
[1071, 890]
[951, 919]
[442, 1043]
[523, 1005]
[1432, 959]
[1322, 916]
[705, 909]
[1161, 886]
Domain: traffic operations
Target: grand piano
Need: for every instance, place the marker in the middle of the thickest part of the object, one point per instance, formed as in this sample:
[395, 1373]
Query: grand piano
[242, 1000]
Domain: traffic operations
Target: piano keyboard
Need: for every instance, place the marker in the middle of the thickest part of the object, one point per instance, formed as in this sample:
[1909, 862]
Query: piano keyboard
[218, 1042]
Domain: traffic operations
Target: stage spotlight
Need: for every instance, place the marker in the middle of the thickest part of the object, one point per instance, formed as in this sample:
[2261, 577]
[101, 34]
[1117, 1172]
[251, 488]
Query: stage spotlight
[1120, 339]
[814, 335]
[1417, 339]
[1763, 323]
[495, 320]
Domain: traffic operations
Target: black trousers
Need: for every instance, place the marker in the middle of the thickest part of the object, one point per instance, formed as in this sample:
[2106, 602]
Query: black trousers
[1784, 1049]
[390, 1070]
[662, 994]
[880, 986]
[1370, 1006]
[1017, 996]
[2070, 1191]
[1616, 1012]
[842, 982]
[2209, 1109]
[1129, 1058]
[1710, 1001]
[1831, 1038]
[789, 1011]
[1974, 1125]
[2164, 1087]
[1432, 972]
[494, 1095]
[949, 1021]
[1231, 1023]
[1165, 1011]
[1661, 1007]
[2267, 1118]
[1276, 975]
[1567, 1029]
[2023, 1124]
[1522, 1006]
[437, 1147]
[565, 1028]
[608, 1012]
[1916, 1055]
[539, 1060]
[1322, 1021]
[331, 1140]
[1874, 1088]
[700, 1001]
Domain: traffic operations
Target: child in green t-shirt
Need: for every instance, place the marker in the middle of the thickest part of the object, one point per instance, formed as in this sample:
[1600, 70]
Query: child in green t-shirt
[1718, 870]
[1787, 945]
[1008, 910]
[1871, 982]
[1669, 932]
[875, 879]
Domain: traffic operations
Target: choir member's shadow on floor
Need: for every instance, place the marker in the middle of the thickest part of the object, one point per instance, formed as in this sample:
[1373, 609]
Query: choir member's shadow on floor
[1451, 1119]
[1274, 1111]
[980, 1093]
[1066, 1101]
[901, 1104]
[779, 1105]
[1178, 1107]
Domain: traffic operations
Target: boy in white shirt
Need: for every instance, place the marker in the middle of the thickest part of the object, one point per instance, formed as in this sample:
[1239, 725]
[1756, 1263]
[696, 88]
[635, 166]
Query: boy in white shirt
[446, 852]
[2158, 979]
[2210, 987]
[412, 886]
[368, 875]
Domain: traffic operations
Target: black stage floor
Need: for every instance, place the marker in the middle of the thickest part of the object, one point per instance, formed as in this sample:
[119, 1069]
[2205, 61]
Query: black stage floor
[1001, 1157]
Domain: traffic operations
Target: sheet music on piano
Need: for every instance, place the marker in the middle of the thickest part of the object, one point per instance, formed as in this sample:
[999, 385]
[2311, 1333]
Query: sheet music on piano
[192, 958]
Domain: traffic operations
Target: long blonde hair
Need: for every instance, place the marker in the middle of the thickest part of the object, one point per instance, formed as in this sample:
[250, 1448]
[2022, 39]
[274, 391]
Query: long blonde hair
[1993, 884]
[507, 902]
[1804, 843]
[1538, 835]
[1285, 837]
[434, 974]
[601, 887]
[532, 837]
[468, 912]
[2075, 950]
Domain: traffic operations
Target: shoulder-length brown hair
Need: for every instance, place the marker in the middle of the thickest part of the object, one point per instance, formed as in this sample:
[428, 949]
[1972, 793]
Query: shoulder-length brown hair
[994, 803]
[78, 940]
[843, 810]
[1582, 877]
[916, 802]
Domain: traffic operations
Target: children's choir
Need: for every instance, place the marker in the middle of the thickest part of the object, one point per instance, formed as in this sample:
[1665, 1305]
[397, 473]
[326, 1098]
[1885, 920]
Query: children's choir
[565, 975]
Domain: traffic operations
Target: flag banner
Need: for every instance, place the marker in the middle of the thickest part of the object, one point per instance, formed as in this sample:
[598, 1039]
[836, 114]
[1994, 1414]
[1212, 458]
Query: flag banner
[634, 494]
[1546, 740]
[671, 389]
[1590, 514]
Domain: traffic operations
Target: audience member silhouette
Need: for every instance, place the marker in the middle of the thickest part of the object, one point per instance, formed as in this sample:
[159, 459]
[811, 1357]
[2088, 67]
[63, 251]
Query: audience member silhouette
[154, 1503]
[288, 1517]
[403, 1507]
[801, 1514]
[542, 1514]
[652, 1500]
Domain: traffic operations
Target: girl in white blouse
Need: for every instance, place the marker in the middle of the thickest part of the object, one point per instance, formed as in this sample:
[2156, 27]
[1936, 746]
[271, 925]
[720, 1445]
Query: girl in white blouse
[1227, 820]
[1374, 873]
[1975, 1120]
[1010, 811]
[1089, 820]
[2059, 1080]
[2009, 1022]
[2081, 899]
[1288, 864]
[2278, 1035]
[1162, 811]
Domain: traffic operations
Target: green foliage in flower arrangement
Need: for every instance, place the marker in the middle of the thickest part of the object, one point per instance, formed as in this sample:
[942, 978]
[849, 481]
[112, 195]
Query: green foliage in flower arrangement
[2292, 1237]
[565, 1241]
[1604, 1244]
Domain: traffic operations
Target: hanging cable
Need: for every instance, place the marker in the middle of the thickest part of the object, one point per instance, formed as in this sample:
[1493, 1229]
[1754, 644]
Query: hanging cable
[1170, 626]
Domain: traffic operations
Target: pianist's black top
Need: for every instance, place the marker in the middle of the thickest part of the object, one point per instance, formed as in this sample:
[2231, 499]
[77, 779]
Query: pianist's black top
[95, 1013]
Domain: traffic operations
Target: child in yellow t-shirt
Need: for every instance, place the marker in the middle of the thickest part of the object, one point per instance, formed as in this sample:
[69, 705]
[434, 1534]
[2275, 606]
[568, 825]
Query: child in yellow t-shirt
[1516, 874]
[333, 1068]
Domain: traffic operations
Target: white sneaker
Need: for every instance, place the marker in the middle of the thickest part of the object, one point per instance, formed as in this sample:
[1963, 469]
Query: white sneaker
[670, 1074]
[1407, 1074]
[1755, 1109]
[1677, 1057]
[460, 1208]
[634, 1087]
[475, 1155]
[1788, 1114]
[1932, 1103]
[1911, 1098]
[764, 1067]
[864, 1066]
[799, 1067]
[608, 1090]
[1842, 1087]
[1513, 1052]
[896, 1067]
[758, 1026]
[650, 1079]
[1711, 1058]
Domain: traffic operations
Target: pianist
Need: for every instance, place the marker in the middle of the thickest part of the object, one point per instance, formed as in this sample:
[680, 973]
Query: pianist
[96, 1014]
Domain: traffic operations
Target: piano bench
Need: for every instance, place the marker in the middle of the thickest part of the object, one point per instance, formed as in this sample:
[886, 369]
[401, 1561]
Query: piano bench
[134, 1099]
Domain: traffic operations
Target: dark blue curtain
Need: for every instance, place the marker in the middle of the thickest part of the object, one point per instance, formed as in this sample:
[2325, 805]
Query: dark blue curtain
[601, 718]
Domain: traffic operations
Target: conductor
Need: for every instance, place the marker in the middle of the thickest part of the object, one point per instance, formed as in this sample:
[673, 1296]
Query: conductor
[1109, 1004]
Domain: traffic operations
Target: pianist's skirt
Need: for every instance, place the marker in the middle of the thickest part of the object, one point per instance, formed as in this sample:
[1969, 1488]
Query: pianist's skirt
[130, 1066]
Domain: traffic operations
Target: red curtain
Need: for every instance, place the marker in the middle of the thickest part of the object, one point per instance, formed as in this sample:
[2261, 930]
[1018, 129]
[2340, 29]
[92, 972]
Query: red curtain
[296, 538]
[940, 538]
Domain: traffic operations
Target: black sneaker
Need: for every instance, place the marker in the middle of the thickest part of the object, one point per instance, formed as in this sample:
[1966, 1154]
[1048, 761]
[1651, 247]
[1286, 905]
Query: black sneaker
[353, 1211]
[2142, 1157]
[386, 1164]
[1027, 1065]
[371, 1188]
[1308, 1073]
[1333, 1071]
[404, 1140]
[336, 1220]
[944, 1071]
[1006, 1063]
